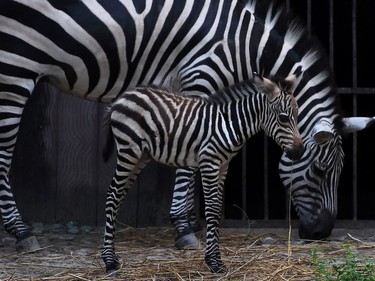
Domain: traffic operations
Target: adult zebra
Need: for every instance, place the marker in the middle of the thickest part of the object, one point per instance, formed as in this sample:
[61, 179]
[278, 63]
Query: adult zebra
[96, 49]
[201, 134]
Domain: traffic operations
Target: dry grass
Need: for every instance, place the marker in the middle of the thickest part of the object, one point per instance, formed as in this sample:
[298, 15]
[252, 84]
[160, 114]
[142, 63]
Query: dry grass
[149, 254]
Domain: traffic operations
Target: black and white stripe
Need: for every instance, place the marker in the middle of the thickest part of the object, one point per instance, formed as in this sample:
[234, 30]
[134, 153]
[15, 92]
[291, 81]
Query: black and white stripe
[202, 134]
[97, 49]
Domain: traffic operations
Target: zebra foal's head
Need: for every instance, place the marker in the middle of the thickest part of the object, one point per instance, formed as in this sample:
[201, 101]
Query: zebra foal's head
[281, 114]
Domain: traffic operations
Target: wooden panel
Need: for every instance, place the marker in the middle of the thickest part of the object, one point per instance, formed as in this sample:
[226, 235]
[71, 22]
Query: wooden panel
[77, 159]
[30, 166]
[59, 174]
[50, 149]
[155, 194]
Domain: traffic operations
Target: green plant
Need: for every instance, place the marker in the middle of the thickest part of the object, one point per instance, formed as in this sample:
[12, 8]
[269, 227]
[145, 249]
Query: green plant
[349, 267]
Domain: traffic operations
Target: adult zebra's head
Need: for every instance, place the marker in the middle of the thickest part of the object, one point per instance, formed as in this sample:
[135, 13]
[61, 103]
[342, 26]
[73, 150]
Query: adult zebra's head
[313, 180]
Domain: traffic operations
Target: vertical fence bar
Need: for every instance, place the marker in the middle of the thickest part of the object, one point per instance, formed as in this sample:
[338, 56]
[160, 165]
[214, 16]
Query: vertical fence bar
[265, 177]
[331, 35]
[244, 181]
[287, 5]
[287, 196]
[309, 16]
[355, 101]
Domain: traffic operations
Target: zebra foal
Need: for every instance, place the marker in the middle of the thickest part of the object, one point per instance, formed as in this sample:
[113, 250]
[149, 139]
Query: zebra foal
[152, 123]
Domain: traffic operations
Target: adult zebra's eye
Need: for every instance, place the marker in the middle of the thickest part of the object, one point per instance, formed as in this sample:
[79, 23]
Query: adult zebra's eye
[284, 118]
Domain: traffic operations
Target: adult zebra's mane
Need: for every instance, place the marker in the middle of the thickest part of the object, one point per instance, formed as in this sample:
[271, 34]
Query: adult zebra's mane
[290, 30]
[306, 50]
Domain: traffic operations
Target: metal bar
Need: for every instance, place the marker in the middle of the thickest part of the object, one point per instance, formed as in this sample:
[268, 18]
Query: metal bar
[265, 177]
[244, 181]
[254, 224]
[309, 16]
[355, 102]
[287, 3]
[331, 35]
[355, 91]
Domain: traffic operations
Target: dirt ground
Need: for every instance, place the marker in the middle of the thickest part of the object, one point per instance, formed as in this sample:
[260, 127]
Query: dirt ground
[149, 254]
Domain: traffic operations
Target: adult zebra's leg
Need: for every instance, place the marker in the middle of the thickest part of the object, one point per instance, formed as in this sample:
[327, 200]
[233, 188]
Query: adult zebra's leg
[123, 179]
[182, 209]
[12, 102]
[213, 185]
[193, 220]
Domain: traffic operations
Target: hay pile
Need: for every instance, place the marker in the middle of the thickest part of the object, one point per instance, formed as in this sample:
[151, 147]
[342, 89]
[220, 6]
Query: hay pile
[149, 254]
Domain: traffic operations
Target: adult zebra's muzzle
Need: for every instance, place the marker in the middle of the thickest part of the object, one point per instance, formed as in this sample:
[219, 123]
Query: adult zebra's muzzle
[318, 229]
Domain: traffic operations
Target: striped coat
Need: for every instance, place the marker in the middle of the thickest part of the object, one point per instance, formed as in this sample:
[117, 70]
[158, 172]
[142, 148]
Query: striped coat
[151, 123]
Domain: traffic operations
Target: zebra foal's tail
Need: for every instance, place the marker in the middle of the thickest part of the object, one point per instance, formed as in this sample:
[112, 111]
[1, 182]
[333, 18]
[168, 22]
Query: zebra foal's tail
[109, 140]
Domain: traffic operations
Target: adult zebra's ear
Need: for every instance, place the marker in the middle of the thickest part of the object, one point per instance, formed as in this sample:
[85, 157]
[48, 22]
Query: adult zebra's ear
[266, 86]
[354, 124]
[323, 131]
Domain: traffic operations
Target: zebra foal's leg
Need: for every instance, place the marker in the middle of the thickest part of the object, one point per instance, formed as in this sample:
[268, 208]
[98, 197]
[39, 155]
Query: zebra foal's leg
[182, 206]
[125, 175]
[212, 180]
[11, 109]
[115, 196]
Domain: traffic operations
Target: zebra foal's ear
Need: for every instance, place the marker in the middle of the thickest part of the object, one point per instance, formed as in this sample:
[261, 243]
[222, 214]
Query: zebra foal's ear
[292, 81]
[266, 86]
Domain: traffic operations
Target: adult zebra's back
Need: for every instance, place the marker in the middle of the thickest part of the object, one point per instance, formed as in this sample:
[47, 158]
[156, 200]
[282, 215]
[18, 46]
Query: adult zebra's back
[97, 49]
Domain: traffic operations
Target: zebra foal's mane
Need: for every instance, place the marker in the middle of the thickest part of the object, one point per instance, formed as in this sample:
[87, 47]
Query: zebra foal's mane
[243, 90]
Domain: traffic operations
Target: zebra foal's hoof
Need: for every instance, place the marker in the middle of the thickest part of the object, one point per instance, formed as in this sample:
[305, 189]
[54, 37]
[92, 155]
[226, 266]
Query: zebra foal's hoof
[112, 273]
[218, 268]
[112, 268]
[28, 244]
[187, 242]
[216, 265]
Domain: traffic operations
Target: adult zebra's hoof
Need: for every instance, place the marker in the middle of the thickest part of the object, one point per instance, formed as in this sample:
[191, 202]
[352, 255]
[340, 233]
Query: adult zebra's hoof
[187, 242]
[198, 230]
[28, 244]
